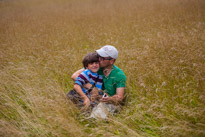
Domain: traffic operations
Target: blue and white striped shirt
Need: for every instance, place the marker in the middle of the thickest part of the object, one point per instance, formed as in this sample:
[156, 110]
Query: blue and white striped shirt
[88, 76]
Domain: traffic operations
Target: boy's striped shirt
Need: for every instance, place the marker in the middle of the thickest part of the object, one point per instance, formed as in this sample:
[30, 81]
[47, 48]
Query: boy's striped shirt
[88, 76]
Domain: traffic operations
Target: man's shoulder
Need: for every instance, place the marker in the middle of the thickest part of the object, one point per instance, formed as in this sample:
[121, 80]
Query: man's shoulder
[118, 71]
[117, 68]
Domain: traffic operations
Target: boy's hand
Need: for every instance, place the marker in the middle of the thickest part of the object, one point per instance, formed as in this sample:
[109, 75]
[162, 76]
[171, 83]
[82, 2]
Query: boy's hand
[87, 86]
[86, 102]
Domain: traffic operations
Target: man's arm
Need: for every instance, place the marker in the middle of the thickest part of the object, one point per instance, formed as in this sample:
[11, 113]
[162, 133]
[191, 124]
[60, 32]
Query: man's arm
[117, 98]
[77, 73]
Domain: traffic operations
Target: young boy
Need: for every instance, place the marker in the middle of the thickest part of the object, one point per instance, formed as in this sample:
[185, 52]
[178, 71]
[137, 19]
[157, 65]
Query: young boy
[89, 75]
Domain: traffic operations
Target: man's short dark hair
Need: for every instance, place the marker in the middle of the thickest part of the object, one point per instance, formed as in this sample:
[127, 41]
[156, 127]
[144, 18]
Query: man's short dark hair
[90, 58]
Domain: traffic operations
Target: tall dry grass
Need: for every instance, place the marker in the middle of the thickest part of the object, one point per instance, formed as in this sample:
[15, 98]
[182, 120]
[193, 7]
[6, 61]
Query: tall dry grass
[161, 47]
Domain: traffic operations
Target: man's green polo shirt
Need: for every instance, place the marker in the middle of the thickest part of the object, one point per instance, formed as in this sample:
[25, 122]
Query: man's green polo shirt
[116, 79]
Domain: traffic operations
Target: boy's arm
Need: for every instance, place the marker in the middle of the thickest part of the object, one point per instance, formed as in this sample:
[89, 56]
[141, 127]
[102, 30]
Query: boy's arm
[79, 90]
[77, 73]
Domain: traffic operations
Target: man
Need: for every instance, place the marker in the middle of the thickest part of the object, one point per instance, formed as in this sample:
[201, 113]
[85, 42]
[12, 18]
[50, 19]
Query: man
[114, 78]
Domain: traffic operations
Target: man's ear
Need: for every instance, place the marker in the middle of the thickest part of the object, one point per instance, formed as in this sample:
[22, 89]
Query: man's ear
[112, 61]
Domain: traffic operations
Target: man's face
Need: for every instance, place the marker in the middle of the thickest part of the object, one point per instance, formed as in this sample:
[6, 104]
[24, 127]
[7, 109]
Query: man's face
[104, 61]
[94, 67]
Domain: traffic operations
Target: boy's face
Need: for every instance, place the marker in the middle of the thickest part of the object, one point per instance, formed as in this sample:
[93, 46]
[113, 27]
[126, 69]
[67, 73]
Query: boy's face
[94, 67]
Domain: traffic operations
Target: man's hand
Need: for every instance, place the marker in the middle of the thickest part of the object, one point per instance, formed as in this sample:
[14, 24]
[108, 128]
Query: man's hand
[76, 74]
[116, 99]
[106, 99]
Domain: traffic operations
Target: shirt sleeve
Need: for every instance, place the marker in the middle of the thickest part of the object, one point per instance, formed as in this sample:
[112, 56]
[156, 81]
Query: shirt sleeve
[121, 81]
[99, 83]
[82, 79]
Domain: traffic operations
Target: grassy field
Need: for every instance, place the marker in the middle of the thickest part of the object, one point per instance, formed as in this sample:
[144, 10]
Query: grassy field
[161, 47]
